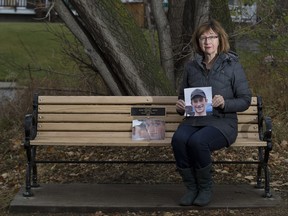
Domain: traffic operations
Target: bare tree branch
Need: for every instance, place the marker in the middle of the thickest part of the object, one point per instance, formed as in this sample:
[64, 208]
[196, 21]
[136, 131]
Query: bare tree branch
[72, 24]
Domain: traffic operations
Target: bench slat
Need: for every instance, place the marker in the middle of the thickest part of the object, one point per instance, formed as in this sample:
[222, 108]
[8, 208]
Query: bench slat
[84, 109]
[54, 134]
[120, 118]
[244, 119]
[72, 108]
[94, 127]
[113, 100]
[251, 110]
[110, 109]
[117, 127]
[100, 118]
[107, 100]
[116, 141]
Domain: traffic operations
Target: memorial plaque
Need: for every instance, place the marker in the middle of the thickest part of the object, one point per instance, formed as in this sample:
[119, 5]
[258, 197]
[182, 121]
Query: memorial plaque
[148, 111]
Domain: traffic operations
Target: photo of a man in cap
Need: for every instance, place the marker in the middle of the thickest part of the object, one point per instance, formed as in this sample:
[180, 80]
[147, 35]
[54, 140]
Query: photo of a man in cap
[197, 102]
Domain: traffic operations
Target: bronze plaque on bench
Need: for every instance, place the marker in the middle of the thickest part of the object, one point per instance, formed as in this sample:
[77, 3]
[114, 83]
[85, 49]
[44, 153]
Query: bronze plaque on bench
[148, 111]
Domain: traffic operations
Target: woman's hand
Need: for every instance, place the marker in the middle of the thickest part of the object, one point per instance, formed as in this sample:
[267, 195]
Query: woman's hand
[218, 101]
[180, 106]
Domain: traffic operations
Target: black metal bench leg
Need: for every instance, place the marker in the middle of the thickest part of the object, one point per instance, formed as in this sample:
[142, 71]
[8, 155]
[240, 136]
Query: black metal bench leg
[28, 192]
[34, 168]
[267, 182]
[259, 177]
[267, 174]
[259, 169]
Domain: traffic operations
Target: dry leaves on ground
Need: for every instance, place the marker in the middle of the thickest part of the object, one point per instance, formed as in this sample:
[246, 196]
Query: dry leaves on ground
[12, 172]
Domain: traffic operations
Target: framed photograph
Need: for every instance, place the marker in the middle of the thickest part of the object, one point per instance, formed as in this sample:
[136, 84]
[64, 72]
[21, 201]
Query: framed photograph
[148, 129]
[198, 101]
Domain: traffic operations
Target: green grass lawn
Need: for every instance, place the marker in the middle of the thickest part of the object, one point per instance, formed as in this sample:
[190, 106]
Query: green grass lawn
[31, 45]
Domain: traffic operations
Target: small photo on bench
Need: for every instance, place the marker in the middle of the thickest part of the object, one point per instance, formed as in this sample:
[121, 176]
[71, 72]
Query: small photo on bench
[148, 129]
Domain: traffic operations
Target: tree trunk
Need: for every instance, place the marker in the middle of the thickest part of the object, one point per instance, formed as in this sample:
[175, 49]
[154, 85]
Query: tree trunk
[122, 47]
[118, 48]
[175, 17]
[185, 16]
[96, 60]
[202, 11]
[196, 12]
[219, 10]
[150, 26]
[164, 35]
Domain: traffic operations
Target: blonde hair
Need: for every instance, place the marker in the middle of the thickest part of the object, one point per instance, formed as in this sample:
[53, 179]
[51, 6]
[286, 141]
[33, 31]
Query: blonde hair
[218, 29]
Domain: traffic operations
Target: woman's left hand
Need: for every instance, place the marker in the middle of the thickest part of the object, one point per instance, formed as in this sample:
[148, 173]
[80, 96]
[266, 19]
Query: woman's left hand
[218, 101]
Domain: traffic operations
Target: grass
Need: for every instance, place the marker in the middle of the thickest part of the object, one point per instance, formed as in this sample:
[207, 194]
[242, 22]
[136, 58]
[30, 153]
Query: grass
[31, 45]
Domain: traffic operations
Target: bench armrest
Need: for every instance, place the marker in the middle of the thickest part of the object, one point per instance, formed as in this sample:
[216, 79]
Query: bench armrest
[30, 127]
[266, 131]
[30, 123]
[264, 125]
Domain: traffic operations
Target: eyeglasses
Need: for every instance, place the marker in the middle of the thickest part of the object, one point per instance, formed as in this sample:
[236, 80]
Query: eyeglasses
[209, 38]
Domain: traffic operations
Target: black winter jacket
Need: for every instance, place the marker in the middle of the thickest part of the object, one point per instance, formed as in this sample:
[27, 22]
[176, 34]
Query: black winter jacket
[227, 78]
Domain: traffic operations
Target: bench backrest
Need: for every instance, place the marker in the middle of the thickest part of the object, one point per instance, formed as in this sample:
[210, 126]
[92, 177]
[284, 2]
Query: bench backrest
[109, 117]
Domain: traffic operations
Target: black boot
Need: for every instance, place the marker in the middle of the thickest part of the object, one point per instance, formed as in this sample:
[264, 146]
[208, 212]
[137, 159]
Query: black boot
[204, 180]
[189, 180]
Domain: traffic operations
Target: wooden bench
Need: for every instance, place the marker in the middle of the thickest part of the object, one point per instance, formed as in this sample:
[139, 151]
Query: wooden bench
[107, 121]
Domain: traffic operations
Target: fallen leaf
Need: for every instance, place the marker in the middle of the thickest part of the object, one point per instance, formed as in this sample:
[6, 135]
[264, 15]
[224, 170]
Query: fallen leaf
[5, 175]
[249, 177]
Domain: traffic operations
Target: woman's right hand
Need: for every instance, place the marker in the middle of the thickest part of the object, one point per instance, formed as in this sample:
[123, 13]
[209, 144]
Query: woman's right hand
[180, 106]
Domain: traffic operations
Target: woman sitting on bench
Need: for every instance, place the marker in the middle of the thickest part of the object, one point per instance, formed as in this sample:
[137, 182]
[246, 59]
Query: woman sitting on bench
[197, 136]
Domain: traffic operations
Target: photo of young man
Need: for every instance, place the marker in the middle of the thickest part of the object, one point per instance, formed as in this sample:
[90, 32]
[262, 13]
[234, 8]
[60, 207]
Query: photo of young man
[197, 101]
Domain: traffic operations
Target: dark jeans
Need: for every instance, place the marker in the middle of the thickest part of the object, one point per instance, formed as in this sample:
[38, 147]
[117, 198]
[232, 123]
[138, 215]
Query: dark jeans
[192, 146]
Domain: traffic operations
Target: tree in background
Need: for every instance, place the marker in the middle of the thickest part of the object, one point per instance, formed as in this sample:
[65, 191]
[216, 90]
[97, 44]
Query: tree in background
[263, 50]
[116, 46]
[184, 17]
[220, 10]
[118, 49]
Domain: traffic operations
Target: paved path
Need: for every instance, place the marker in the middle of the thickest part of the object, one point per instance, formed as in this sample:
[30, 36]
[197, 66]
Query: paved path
[123, 197]
[7, 90]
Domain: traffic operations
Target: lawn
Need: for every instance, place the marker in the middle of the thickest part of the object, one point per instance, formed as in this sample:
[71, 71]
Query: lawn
[31, 45]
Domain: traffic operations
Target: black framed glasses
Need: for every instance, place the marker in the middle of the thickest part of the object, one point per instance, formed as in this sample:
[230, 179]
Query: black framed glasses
[209, 38]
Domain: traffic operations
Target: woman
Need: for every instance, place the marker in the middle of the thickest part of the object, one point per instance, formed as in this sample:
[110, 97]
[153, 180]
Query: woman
[196, 137]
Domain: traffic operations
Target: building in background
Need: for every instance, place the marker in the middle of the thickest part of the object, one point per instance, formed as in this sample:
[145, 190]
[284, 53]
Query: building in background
[242, 12]
[137, 9]
[22, 6]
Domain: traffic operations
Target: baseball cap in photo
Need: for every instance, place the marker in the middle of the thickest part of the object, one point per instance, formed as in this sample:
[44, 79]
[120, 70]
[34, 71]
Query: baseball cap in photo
[198, 92]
